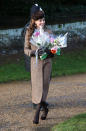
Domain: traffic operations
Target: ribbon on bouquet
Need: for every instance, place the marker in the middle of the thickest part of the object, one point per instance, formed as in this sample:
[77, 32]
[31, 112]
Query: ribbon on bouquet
[42, 57]
[36, 54]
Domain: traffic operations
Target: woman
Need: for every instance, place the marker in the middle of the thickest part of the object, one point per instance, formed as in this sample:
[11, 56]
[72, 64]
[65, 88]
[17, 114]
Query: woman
[40, 74]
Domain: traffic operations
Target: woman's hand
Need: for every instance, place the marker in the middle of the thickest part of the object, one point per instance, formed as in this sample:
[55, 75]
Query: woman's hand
[40, 51]
[33, 53]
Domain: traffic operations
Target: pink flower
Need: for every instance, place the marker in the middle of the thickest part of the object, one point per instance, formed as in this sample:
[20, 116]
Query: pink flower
[37, 34]
[51, 40]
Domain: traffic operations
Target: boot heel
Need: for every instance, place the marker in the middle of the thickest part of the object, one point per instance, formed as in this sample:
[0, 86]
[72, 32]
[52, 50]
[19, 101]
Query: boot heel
[36, 117]
[35, 122]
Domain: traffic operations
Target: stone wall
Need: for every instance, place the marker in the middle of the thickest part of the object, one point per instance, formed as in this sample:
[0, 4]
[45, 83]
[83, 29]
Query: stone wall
[12, 39]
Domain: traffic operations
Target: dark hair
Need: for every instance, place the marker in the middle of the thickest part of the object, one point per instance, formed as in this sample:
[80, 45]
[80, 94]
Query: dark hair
[38, 15]
[36, 12]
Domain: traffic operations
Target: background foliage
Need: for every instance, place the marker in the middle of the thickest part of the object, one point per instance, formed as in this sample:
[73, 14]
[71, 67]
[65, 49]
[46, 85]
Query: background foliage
[22, 7]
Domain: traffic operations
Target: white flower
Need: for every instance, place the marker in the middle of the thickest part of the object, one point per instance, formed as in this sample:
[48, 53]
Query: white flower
[42, 38]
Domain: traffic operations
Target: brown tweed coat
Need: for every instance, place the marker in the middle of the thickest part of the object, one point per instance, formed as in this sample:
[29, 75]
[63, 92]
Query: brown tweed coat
[40, 74]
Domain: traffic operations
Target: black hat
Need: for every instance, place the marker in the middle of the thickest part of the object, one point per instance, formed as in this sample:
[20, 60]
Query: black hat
[36, 12]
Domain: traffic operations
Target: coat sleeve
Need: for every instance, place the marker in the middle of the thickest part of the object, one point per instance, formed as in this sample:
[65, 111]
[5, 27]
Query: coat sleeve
[27, 51]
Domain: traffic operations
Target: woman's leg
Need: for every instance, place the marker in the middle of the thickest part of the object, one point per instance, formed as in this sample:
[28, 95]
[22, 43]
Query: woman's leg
[37, 87]
[36, 80]
[46, 81]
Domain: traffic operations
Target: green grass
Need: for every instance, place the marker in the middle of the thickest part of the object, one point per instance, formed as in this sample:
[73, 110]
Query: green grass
[66, 64]
[15, 71]
[76, 123]
[70, 63]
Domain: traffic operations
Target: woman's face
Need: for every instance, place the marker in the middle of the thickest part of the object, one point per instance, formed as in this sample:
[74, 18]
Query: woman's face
[40, 22]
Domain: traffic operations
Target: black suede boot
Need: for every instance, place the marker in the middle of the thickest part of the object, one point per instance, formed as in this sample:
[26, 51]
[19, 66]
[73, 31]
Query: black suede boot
[36, 117]
[45, 110]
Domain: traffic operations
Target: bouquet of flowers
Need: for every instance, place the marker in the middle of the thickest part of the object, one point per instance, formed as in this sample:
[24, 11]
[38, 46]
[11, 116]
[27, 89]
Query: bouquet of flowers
[42, 39]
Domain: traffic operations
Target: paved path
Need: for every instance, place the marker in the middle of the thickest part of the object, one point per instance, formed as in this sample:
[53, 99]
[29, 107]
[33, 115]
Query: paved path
[67, 97]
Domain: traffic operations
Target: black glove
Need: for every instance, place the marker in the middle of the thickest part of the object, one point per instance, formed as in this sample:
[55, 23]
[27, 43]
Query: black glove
[40, 51]
[33, 53]
[49, 53]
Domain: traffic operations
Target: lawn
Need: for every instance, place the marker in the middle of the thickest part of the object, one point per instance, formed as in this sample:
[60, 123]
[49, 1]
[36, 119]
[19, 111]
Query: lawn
[66, 64]
[76, 123]
[70, 63]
